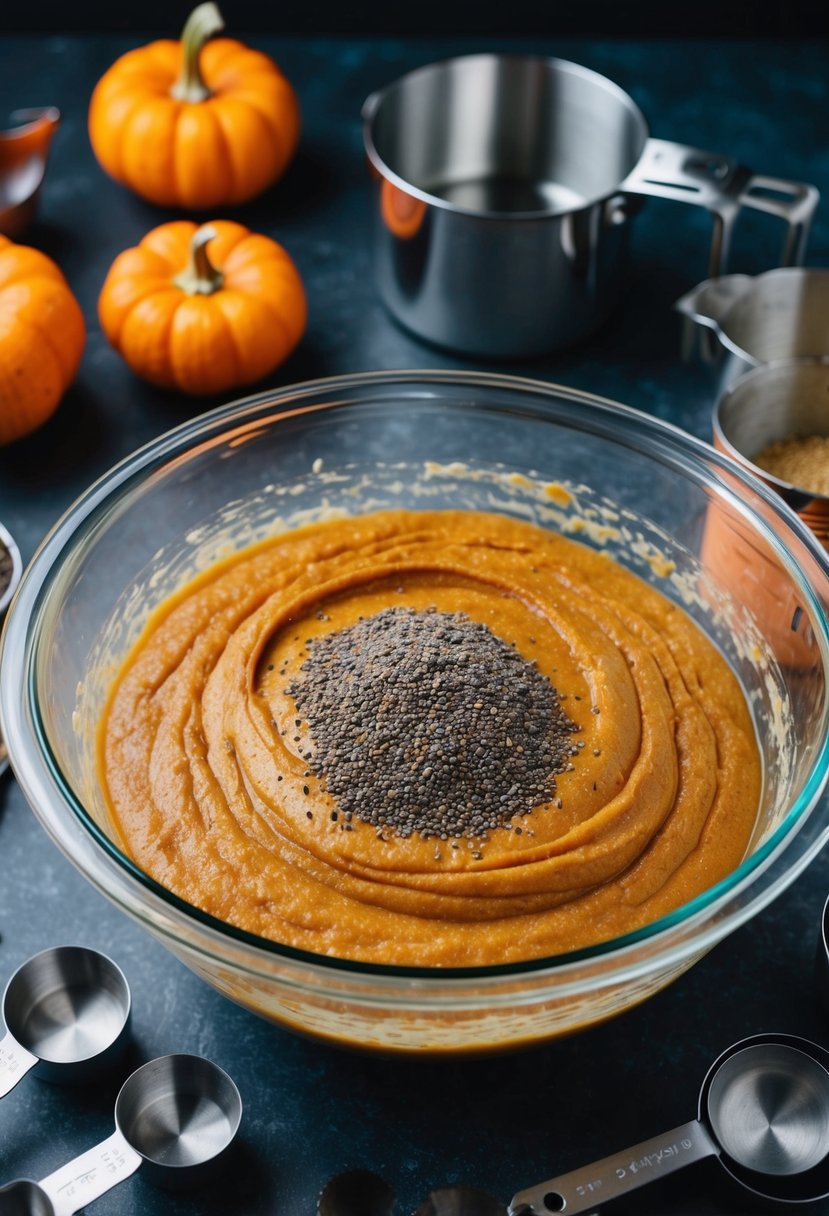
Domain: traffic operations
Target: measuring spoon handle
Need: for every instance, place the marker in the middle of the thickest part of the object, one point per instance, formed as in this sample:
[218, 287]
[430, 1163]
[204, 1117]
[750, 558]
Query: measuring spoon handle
[15, 1062]
[90, 1175]
[585, 1189]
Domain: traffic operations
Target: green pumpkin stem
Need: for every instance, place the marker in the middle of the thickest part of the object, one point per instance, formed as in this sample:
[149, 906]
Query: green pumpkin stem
[204, 21]
[200, 278]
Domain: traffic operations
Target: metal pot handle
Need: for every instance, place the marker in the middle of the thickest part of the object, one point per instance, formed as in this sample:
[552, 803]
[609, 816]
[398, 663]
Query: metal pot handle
[691, 175]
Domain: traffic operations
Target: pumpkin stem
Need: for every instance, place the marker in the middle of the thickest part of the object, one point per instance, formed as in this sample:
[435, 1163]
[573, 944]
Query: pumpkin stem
[204, 21]
[200, 277]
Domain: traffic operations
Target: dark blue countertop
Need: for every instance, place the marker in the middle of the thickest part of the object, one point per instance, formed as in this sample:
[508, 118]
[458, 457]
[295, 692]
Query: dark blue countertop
[500, 1123]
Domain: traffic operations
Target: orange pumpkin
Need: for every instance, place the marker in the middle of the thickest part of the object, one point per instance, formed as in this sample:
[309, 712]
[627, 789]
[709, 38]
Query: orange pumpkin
[185, 322]
[42, 334]
[196, 123]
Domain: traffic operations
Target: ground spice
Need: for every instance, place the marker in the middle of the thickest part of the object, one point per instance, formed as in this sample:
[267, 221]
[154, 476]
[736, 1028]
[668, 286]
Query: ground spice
[801, 461]
[428, 722]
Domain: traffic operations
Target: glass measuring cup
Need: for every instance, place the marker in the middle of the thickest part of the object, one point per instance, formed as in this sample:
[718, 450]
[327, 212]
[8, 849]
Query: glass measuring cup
[176, 1116]
[67, 1013]
[763, 1111]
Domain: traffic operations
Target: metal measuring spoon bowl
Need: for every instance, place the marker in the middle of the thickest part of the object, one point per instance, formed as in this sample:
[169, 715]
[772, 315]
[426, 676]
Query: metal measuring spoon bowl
[180, 1115]
[176, 1116]
[355, 1193]
[763, 1112]
[24, 1198]
[768, 1106]
[67, 1015]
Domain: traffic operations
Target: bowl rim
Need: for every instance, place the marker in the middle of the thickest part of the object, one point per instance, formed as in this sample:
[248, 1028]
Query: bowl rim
[19, 715]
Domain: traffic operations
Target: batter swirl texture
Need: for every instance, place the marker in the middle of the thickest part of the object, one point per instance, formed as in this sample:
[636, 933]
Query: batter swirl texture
[215, 780]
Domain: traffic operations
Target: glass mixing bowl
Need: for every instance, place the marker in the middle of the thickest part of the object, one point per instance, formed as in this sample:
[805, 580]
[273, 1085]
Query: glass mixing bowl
[670, 508]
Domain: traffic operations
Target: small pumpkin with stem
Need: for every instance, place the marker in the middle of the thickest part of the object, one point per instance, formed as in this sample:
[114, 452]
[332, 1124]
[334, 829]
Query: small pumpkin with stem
[199, 123]
[203, 320]
[42, 336]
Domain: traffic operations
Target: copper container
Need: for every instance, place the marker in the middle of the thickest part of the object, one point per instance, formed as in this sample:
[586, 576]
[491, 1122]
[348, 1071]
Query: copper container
[778, 401]
[775, 401]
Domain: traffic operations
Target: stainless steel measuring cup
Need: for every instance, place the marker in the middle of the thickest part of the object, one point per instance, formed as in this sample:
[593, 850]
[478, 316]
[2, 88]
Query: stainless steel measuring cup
[738, 322]
[763, 1111]
[176, 1116]
[504, 187]
[67, 1014]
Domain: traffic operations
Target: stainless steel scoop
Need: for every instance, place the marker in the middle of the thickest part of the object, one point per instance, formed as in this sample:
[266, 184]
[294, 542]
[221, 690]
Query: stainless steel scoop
[67, 1013]
[176, 1115]
[763, 1111]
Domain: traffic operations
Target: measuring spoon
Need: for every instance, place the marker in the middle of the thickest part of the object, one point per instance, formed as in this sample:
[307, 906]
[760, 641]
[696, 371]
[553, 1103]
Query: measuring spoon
[67, 1013]
[176, 1115]
[763, 1111]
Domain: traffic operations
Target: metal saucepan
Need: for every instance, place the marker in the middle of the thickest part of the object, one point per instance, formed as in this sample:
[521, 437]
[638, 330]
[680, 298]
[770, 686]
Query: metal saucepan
[739, 321]
[176, 1116]
[67, 1014]
[504, 187]
[763, 1112]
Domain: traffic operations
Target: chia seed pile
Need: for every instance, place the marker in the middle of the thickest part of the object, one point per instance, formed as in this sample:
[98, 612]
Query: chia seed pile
[427, 722]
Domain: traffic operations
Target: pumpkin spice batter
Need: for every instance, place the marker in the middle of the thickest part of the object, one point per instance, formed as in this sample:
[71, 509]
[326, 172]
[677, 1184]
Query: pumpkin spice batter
[635, 787]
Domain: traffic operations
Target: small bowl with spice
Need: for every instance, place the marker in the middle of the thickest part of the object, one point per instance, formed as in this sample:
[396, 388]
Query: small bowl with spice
[408, 710]
[774, 420]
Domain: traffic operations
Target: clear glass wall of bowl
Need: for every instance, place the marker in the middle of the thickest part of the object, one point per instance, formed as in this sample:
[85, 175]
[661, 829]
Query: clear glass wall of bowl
[668, 507]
